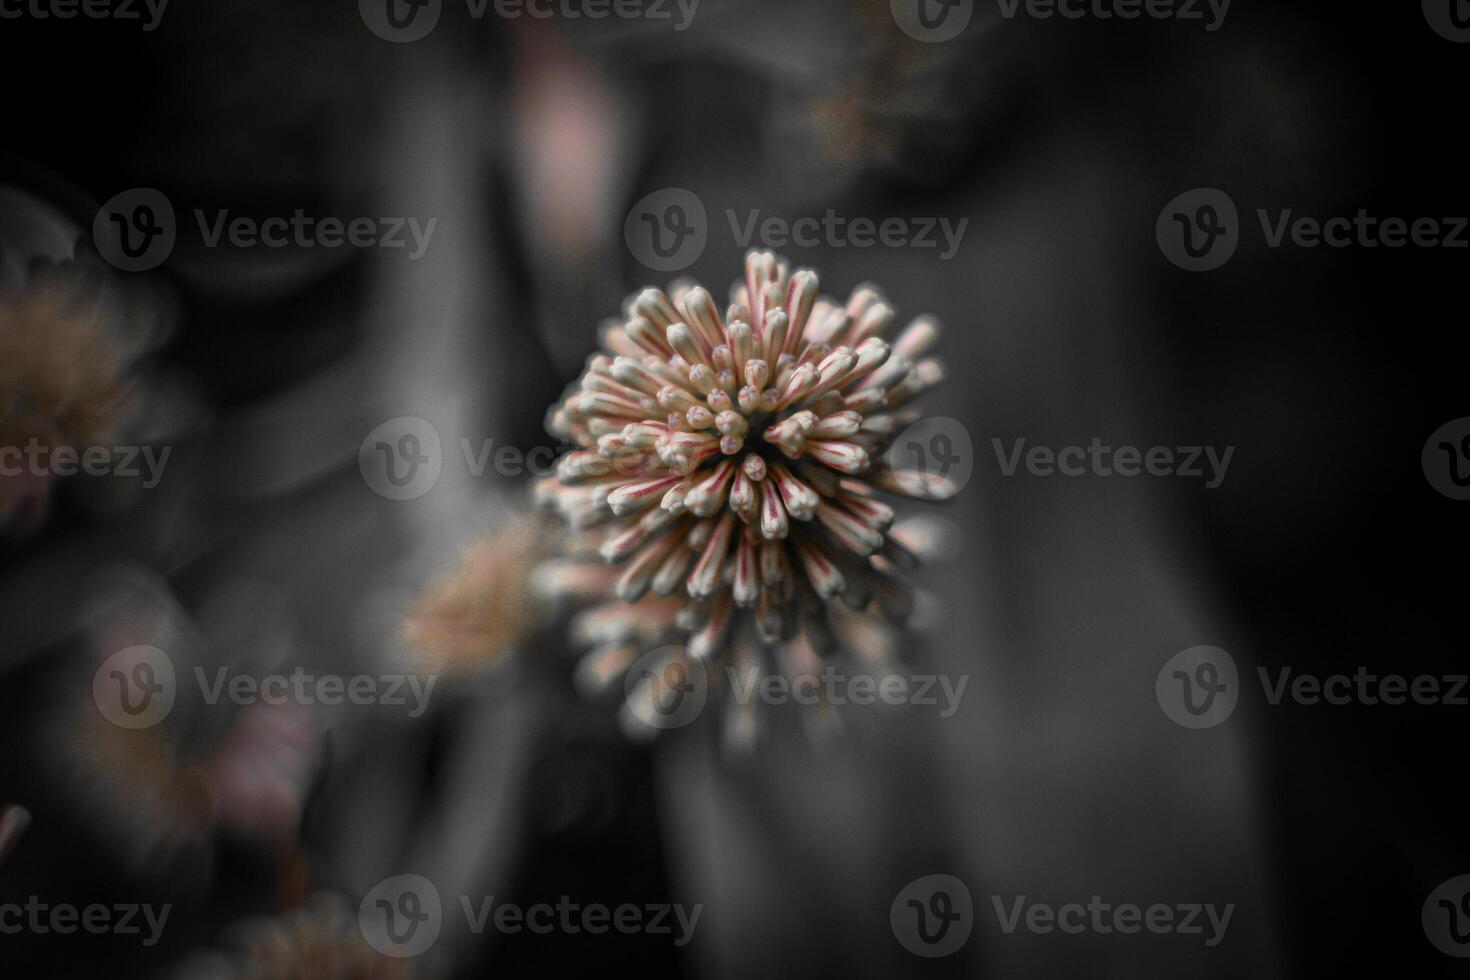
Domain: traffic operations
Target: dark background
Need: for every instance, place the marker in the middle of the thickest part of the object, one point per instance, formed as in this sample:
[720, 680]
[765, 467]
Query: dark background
[1325, 548]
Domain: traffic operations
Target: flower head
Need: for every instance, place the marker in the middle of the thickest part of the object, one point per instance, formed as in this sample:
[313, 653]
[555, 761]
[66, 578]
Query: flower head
[166, 789]
[319, 941]
[67, 352]
[479, 613]
[730, 467]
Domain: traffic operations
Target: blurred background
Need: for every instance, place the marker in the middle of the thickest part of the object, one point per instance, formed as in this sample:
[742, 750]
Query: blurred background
[532, 142]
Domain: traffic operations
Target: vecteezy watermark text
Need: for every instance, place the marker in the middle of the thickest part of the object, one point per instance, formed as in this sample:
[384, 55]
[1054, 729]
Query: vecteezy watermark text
[666, 688]
[1362, 230]
[65, 919]
[680, 12]
[304, 231]
[1099, 459]
[1211, 12]
[330, 690]
[38, 459]
[933, 917]
[402, 21]
[1200, 688]
[149, 12]
[403, 916]
[667, 230]
[1103, 918]
[835, 687]
[137, 687]
[403, 458]
[1364, 687]
[839, 231]
[1200, 230]
[571, 918]
[136, 230]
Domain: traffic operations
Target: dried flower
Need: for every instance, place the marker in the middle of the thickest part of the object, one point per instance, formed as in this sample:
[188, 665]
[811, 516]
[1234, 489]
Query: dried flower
[320, 941]
[261, 771]
[731, 468]
[148, 791]
[156, 791]
[484, 609]
[890, 102]
[66, 352]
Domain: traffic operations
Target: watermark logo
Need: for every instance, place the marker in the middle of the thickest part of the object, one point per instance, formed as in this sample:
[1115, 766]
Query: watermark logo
[932, 21]
[1446, 917]
[411, 691]
[666, 688]
[939, 447]
[135, 687]
[933, 916]
[1446, 459]
[400, 21]
[1199, 687]
[667, 230]
[402, 916]
[135, 230]
[1199, 230]
[1449, 18]
[402, 458]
